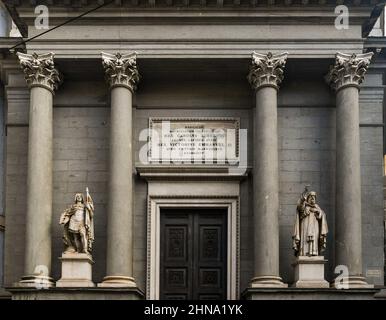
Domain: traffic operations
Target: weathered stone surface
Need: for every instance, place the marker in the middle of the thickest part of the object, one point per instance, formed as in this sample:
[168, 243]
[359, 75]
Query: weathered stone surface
[122, 76]
[265, 75]
[208, 87]
[309, 272]
[77, 294]
[76, 270]
[42, 79]
[345, 77]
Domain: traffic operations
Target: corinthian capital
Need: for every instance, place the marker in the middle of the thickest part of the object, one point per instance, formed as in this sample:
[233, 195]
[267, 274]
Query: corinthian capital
[267, 70]
[121, 70]
[39, 70]
[349, 70]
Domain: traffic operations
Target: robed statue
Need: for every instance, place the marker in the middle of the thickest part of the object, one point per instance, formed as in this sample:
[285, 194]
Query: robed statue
[78, 223]
[310, 231]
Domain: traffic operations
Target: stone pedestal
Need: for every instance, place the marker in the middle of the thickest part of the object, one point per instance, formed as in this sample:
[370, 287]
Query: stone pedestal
[76, 270]
[309, 272]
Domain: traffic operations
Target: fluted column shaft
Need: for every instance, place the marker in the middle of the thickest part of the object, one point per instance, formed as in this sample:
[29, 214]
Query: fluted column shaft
[42, 78]
[345, 77]
[265, 75]
[122, 75]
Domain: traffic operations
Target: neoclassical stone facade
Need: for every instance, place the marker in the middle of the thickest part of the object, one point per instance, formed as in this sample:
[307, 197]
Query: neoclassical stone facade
[306, 102]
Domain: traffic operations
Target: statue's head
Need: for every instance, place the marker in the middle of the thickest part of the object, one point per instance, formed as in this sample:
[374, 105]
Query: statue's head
[311, 197]
[79, 198]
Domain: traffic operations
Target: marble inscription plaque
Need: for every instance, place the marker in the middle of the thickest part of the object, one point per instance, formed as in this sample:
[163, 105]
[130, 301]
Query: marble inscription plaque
[194, 140]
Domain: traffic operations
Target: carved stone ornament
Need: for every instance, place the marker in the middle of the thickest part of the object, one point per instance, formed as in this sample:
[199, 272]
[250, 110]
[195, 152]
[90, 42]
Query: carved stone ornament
[349, 70]
[121, 70]
[39, 70]
[267, 70]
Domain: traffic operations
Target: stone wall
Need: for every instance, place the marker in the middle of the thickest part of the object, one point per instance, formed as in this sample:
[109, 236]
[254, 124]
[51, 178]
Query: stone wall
[307, 156]
[81, 145]
[372, 144]
[2, 218]
[15, 202]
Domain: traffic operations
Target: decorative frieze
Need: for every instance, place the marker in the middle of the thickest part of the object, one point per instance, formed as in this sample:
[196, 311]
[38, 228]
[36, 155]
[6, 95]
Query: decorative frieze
[267, 70]
[121, 70]
[39, 70]
[349, 70]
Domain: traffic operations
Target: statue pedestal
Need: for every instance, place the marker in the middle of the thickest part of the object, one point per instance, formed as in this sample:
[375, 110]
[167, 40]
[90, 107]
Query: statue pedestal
[76, 270]
[309, 272]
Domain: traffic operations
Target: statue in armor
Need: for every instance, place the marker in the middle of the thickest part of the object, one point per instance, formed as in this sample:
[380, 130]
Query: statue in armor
[77, 220]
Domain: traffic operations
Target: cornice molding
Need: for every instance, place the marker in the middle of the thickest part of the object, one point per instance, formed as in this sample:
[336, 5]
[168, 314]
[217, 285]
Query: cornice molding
[153, 4]
[202, 48]
[191, 172]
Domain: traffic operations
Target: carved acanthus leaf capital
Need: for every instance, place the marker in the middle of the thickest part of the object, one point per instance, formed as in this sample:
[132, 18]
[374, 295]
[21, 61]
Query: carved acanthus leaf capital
[121, 70]
[349, 70]
[39, 70]
[267, 70]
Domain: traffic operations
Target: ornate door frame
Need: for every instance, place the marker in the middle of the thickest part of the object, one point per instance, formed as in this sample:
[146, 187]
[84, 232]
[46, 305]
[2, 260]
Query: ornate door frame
[229, 202]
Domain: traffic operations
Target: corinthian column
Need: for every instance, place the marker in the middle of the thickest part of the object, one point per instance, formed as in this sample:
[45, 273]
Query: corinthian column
[122, 76]
[42, 79]
[265, 75]
[345, 77]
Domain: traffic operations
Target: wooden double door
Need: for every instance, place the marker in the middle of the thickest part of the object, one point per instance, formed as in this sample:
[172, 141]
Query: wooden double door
[193, 257]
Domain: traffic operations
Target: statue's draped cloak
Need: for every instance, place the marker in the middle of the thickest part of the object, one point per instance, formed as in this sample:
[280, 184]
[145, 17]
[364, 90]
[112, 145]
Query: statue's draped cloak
[310, 230]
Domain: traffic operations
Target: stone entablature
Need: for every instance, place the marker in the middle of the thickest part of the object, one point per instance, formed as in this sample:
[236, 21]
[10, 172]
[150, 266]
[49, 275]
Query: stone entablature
[219, 29]
[129, 12]
[151, 4]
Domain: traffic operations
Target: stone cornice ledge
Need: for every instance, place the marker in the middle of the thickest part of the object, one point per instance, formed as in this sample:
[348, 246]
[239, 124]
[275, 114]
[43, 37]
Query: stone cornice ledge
[202, 48]
[81, 293]
[195, 172]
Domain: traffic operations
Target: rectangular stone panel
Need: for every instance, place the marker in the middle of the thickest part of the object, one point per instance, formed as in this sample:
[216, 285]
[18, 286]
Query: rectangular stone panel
[193, 140]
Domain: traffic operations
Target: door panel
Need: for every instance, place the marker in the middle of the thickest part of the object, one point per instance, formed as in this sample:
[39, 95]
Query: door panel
[176, 254]
[193, 254]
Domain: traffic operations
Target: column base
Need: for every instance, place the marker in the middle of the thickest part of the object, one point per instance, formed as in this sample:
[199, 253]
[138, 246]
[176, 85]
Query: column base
[117, 282]
[35, 281]
[268, 282]
[351, 282]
